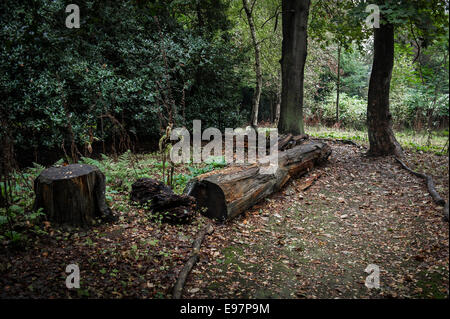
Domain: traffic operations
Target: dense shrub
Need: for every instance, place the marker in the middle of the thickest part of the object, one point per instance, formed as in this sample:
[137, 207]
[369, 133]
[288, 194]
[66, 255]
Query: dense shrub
[352, 111]
[114, 76]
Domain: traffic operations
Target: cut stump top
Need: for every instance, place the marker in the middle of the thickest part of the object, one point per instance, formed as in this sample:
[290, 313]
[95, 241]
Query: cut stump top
[72, 194]
[67, 172]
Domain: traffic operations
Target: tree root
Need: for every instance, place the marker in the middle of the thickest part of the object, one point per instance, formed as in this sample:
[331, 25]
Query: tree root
[429, 180]
[179, 285]
[431, 188]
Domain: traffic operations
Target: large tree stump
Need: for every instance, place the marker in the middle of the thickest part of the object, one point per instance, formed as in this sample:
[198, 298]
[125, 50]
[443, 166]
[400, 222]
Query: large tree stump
[72, 194]
[226, 193]
[162, 201]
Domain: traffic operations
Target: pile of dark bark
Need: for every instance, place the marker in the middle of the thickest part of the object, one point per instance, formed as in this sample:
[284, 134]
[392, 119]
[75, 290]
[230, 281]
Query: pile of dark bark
[162, 202]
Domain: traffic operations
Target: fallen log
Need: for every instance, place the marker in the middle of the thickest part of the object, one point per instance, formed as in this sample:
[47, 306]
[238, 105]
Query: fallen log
[182, 276]
[284, 141]
[162, 201]
[226, 193]
[431, 187]
[291, 141]
[299, 138]
[72, 194]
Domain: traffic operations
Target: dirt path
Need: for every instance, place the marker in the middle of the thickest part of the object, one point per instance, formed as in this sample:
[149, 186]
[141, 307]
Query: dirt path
[317, 243]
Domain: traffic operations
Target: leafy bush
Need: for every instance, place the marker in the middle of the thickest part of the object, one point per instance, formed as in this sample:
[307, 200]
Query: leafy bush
[352, 110]
[111, 77]
[17, 218]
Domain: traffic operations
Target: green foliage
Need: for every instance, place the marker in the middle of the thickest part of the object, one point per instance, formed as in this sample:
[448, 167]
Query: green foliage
[19, 210]
[409, 139]
[113, 75]
[419, 92]
[355, 74]
[120, 173]
[352, 111]
[180, 180]
[116, 74]
[267, 20]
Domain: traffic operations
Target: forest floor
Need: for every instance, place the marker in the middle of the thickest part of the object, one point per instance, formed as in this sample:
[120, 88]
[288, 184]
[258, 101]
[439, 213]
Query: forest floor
[318, 243]
[315, 243]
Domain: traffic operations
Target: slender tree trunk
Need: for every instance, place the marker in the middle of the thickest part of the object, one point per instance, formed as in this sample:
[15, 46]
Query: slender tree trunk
[379, 120]
[338, 84]
[278, 105]
[430, 113]
[294, 50]
[258, 88]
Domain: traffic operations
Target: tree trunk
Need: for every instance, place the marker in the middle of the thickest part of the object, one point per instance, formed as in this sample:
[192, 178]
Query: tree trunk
[294, 50]
[229, 192]
[278, 105]
[338, 84]
[257, 94]
[72, 194]
[379, 120]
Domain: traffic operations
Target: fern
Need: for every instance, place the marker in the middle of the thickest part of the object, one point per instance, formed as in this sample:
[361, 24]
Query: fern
[91, 161]
[59, 163]
[125, 158]
[36, 169]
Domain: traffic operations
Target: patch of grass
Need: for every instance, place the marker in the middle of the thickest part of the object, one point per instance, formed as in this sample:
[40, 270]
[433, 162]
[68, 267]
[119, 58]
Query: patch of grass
[409, 139]
[232, 254]
[323, 132]
[430, 284]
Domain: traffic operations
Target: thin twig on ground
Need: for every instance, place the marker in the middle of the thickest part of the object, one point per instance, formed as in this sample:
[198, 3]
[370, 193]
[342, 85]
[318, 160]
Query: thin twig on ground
[179, 285]
[431, 187]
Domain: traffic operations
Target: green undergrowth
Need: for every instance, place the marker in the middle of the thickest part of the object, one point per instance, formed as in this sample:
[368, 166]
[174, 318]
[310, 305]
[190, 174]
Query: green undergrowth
[410, 140]
[19, 222]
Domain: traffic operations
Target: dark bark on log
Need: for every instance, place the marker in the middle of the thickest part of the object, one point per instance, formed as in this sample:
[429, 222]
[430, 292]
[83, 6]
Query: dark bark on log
[182, 276]
[226, 193]
[284, 141]
[72, 194]
[296, 140]
[299, 138]
[431, 187]
[162, 200]
[289, 141]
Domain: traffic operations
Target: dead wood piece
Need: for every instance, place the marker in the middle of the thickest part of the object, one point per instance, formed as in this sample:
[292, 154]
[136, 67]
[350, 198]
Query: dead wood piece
[284, 141]
[308, 182]
[72, 194]
[144, 189]
[181, 280]
[294, 141]
[300, 138]
[227, 193]
[162, 201]
[430, 185]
